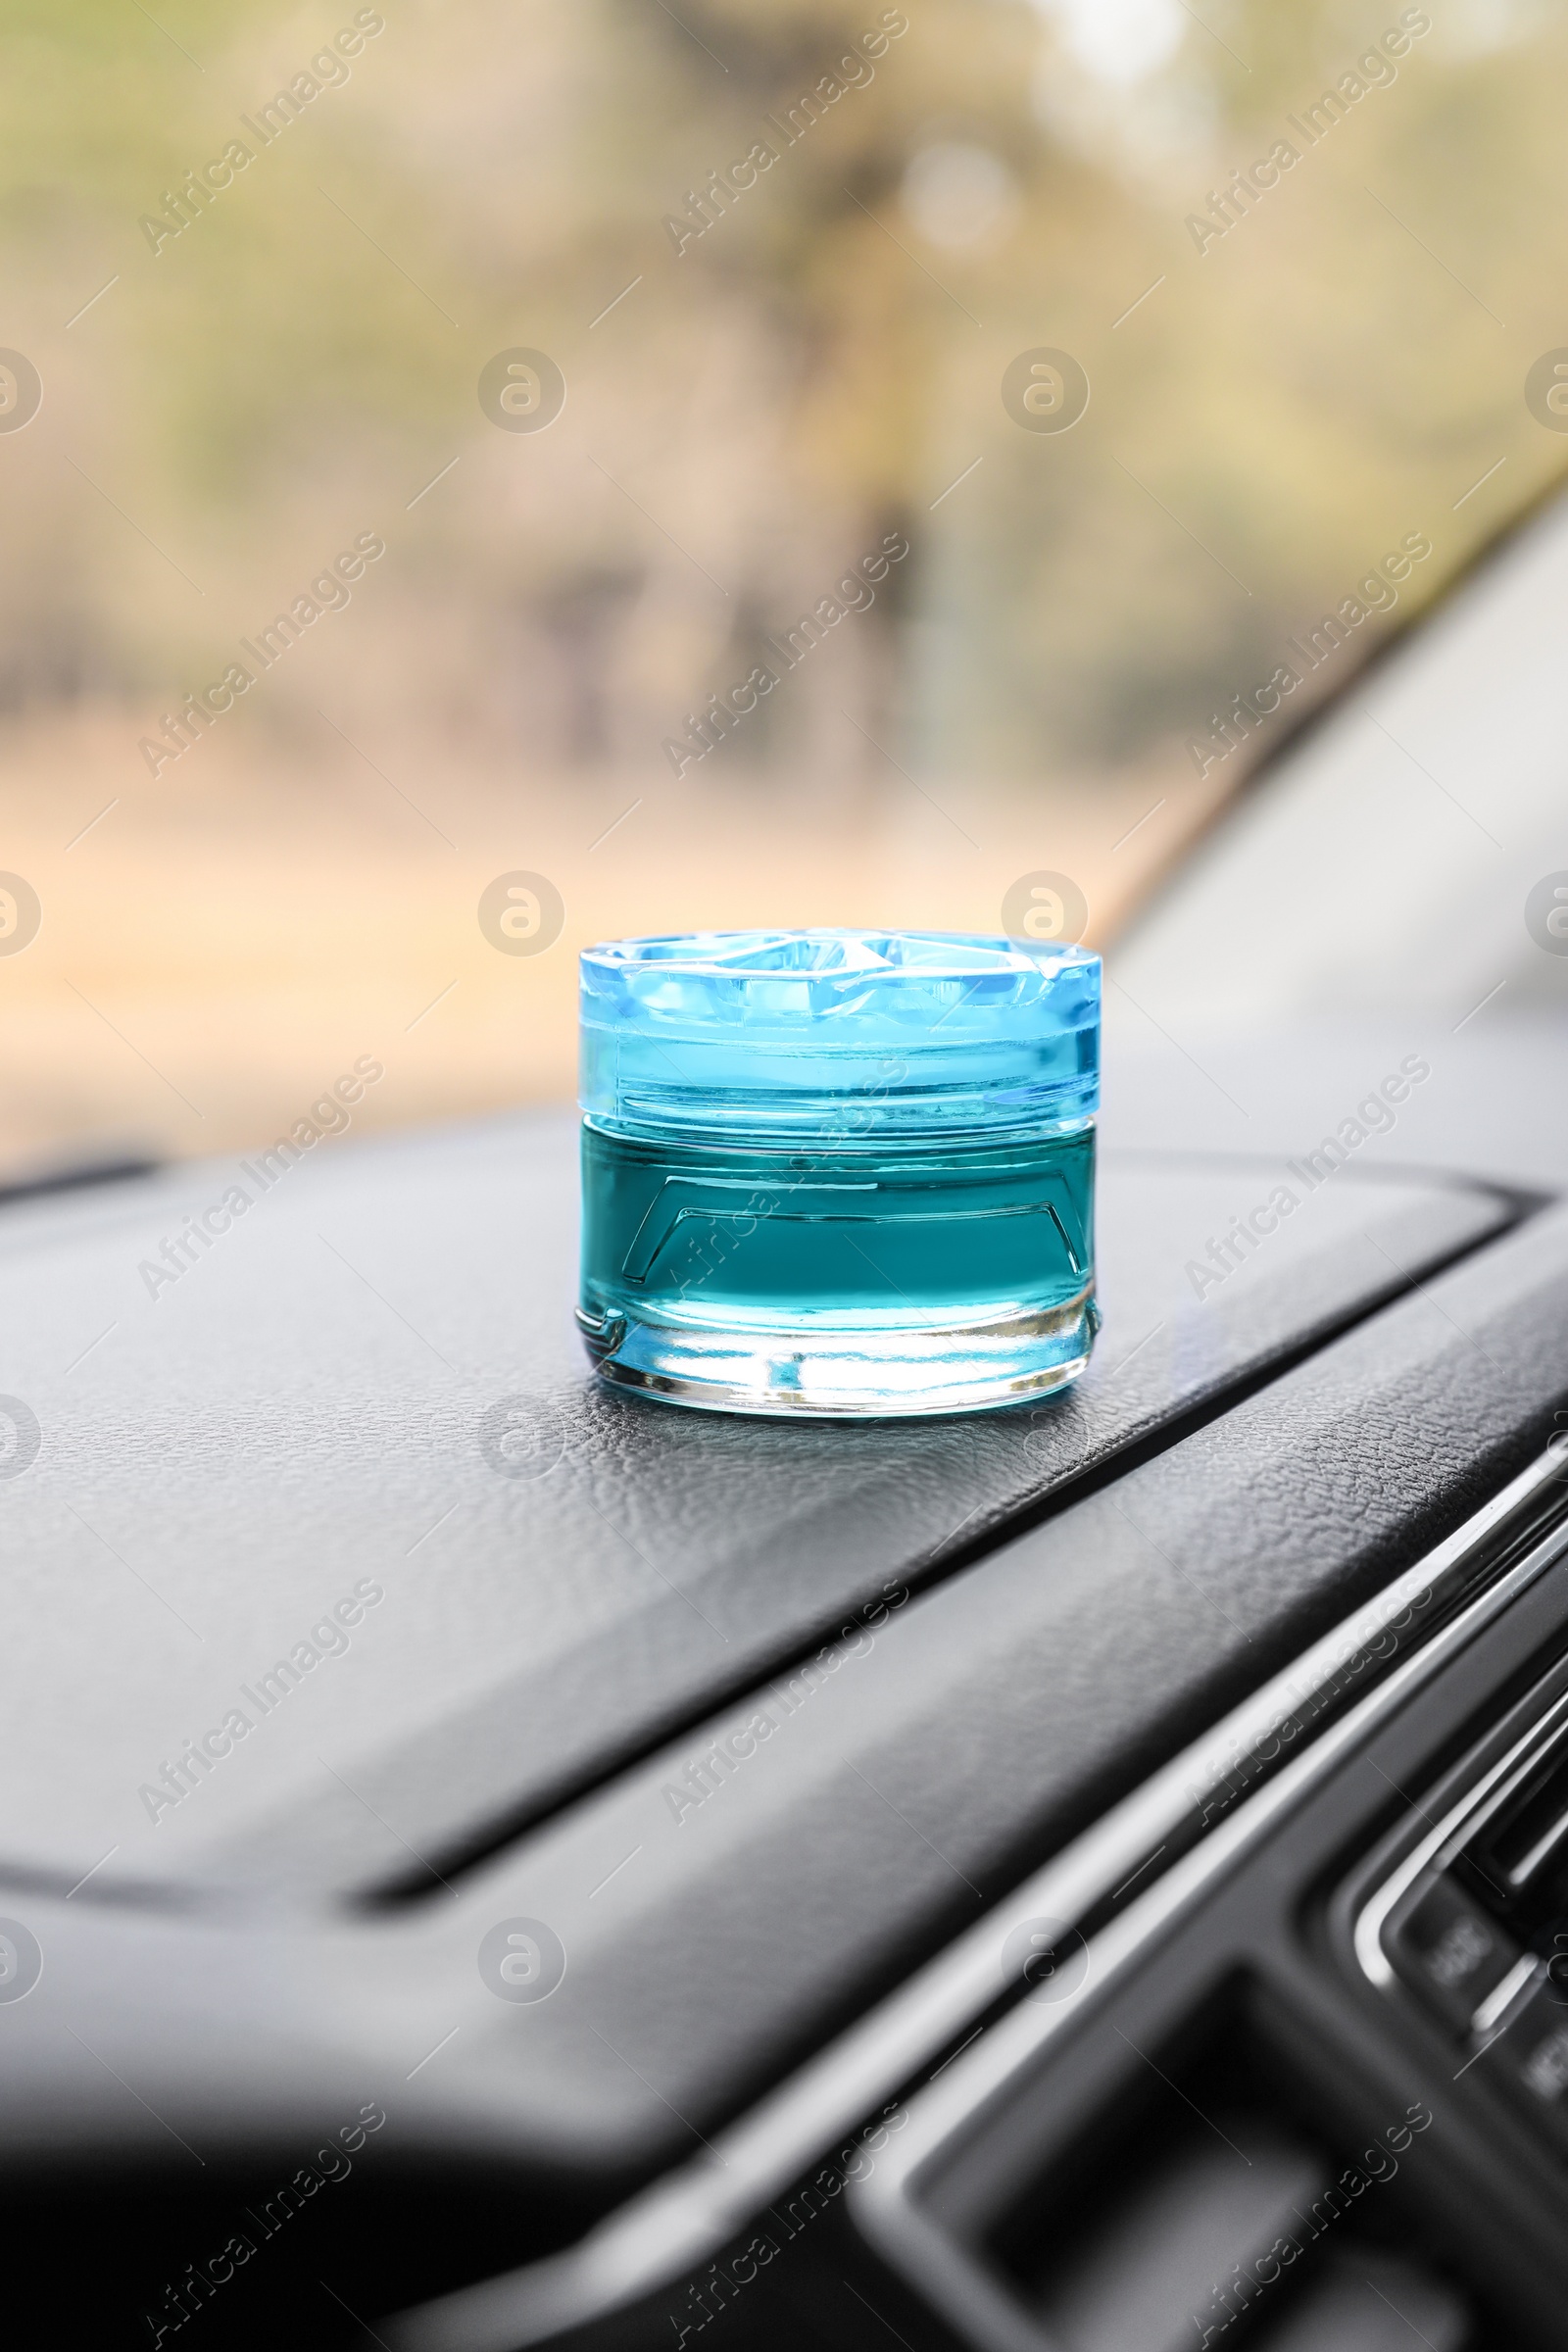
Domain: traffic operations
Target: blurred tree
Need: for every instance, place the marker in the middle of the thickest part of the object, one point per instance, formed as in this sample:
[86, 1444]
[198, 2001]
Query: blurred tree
[815, 364]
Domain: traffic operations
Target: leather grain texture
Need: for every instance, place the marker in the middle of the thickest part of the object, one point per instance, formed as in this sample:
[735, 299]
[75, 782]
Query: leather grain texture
[719, 1921]
[372, 1380]
[298, 1414]
[731, 1903]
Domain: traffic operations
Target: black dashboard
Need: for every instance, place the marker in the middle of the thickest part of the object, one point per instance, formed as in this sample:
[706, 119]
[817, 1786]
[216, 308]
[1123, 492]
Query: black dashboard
[910, 1832]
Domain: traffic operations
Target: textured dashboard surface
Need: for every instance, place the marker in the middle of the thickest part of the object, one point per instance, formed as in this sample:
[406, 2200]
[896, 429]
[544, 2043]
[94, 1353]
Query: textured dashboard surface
[723, 1911]
[718, 1919]
[371, 1383]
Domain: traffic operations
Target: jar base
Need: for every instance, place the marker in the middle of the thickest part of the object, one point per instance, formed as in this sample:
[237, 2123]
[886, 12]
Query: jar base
[837, 1371]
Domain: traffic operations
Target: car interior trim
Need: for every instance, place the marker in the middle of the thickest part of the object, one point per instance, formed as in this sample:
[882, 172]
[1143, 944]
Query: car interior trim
[1486, 1795]
[1238, 1772]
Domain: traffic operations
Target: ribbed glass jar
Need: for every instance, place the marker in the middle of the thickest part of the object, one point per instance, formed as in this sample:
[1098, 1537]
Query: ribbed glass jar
[839, 1172]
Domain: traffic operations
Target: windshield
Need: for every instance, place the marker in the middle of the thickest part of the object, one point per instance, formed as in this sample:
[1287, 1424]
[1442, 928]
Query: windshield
[478, 484]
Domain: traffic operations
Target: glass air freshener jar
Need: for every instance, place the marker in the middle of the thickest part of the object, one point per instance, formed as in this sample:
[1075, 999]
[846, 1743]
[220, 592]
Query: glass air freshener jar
[839, 1172]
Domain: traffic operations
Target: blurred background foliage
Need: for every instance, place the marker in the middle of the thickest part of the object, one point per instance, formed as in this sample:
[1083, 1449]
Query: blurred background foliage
[746, 417]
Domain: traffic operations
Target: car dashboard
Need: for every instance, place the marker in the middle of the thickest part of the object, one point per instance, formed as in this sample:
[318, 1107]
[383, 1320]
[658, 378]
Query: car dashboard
[495, 1863]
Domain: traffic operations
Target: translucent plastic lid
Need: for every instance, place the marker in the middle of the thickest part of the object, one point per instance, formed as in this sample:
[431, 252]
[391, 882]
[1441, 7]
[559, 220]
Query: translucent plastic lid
[858, 1031]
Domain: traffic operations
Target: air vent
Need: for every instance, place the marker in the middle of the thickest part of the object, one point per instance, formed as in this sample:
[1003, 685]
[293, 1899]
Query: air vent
[1475, 1926]
[1205, 2208]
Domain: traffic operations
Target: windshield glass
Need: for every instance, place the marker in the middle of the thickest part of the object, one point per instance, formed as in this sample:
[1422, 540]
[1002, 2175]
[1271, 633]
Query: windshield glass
[480, 482]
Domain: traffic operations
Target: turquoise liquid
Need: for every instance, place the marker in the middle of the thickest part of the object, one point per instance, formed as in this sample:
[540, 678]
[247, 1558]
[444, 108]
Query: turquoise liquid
[857, 1236]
